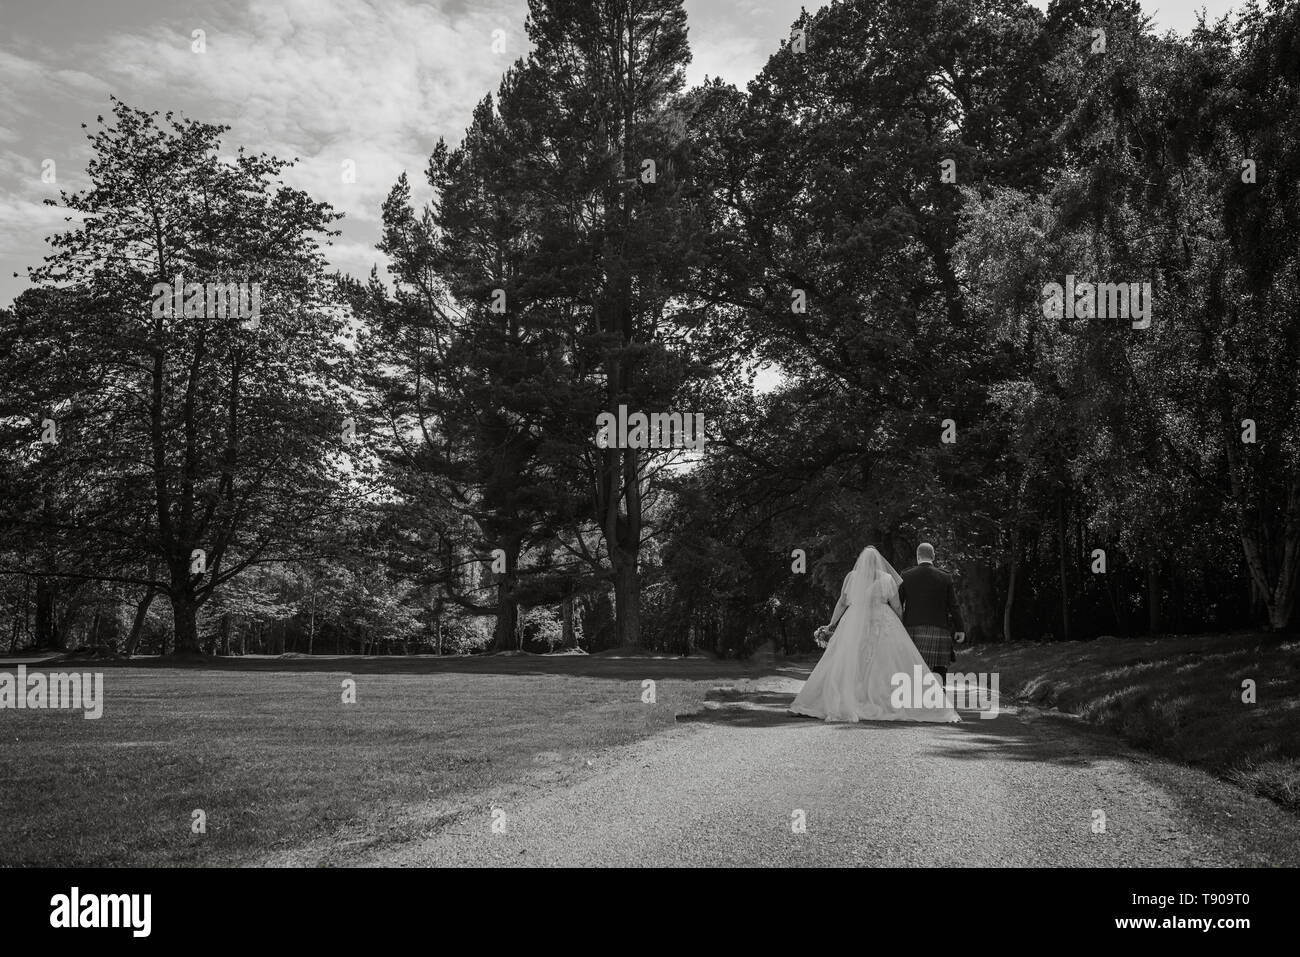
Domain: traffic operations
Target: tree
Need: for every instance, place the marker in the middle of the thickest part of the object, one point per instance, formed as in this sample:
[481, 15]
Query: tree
[837, 186]
[196, 432]
[606, 160]
[546, 284]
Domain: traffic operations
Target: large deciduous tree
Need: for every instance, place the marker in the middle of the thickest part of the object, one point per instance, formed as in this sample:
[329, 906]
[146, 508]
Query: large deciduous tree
[192, 441]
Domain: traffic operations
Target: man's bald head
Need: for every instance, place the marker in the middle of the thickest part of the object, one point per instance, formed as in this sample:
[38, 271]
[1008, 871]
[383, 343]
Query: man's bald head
[924, 553]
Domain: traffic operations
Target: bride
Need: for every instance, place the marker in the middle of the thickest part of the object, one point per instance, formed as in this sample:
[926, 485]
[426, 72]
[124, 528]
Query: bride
[854, 681]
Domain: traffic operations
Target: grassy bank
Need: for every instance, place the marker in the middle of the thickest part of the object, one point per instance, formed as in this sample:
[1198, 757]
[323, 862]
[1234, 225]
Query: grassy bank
[268, 750]
[1180, 697]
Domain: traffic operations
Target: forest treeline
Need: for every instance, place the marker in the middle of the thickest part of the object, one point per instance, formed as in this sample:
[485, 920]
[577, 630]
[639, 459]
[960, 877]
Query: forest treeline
[1022, 284]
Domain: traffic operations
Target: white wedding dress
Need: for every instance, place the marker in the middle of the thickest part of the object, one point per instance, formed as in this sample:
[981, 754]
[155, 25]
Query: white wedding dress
[855, 679]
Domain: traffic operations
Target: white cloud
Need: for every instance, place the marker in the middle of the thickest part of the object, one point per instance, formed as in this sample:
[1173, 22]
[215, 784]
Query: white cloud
[26, 221]
[371, 81]
[327, 81]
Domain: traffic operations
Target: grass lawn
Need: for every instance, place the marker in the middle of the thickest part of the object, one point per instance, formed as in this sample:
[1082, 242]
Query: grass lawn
[288, 773]
[1180, 697]
[269, 751]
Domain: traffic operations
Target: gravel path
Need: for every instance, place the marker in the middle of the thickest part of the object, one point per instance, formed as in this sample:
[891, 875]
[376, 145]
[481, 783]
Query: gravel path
[726, 786]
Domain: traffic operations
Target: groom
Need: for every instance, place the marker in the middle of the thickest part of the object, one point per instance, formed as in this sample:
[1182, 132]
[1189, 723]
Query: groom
[930, 611]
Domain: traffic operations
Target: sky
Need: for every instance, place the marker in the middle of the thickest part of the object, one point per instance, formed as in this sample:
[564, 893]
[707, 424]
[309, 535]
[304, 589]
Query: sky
[373, 83]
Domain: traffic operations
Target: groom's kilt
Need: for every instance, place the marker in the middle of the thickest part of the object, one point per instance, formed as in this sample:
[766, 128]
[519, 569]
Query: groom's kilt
[934, 644]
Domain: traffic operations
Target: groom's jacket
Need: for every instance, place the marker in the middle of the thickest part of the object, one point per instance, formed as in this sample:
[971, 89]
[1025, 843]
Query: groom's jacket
[929, 599]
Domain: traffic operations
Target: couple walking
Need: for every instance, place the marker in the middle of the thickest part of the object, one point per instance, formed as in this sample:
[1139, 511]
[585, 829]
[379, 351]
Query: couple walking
[887, 631]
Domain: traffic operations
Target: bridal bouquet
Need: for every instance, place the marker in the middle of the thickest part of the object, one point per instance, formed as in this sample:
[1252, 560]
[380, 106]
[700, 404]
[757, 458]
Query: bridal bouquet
[822, 635]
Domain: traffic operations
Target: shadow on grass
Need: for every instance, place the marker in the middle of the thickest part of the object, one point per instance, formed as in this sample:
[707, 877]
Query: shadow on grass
[1228, 703]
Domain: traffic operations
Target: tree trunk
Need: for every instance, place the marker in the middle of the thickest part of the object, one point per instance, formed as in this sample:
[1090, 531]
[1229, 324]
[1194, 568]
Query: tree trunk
[1011, 583]
[627, 599]
[17, 621]
[137, 625]
[507, 624]
[568, 635]
[505, 633]
[620, 484]
[185, 618]
[1064, 567]
[225, 635]
[1279, 615]
[1112, 595]
[1275, 571]
[627, 573]
[27, 614]
[1279, 596]
[1153, 596]
[75, 601]
[311, 621]
[47, 628]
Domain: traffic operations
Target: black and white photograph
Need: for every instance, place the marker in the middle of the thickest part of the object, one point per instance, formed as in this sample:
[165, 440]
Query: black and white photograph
[445, 436]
